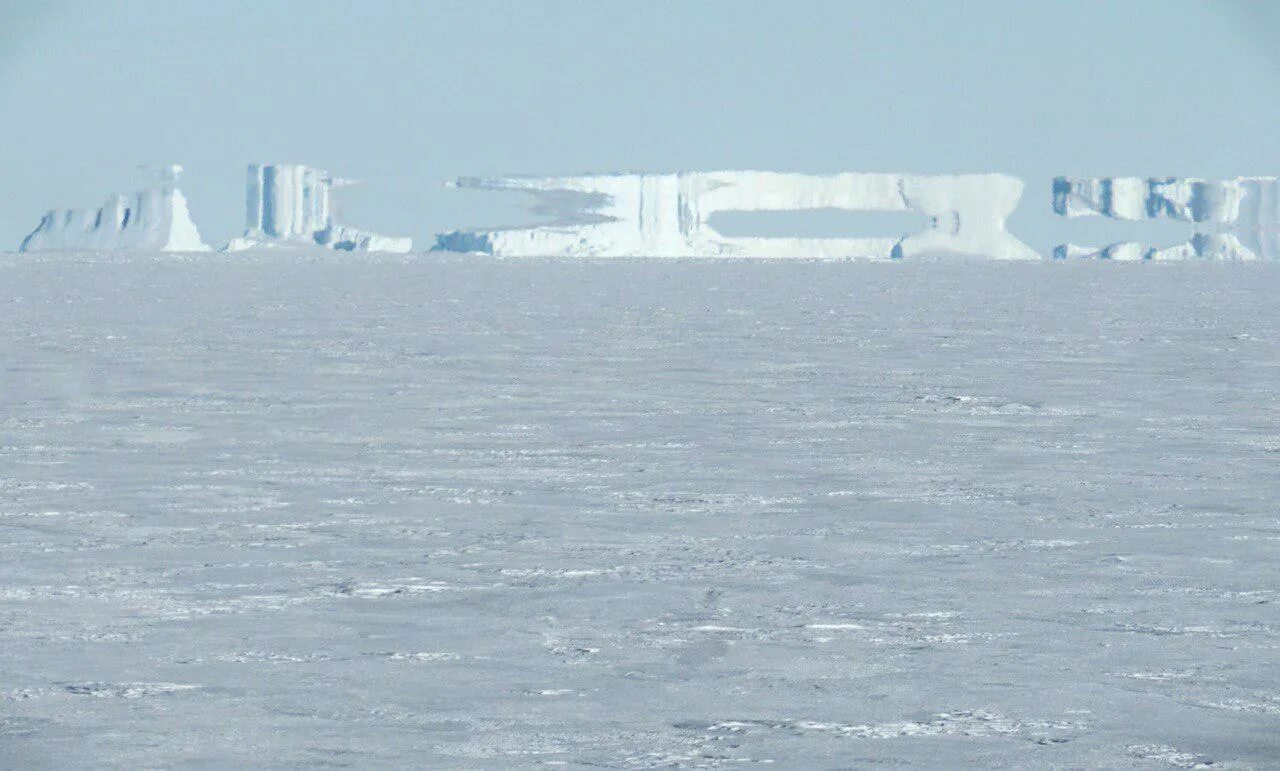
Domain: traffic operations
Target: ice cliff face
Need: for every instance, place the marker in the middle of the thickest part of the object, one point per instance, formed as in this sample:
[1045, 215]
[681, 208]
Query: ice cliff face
[667, 214]
[1235, 219]
[289, 205]
[154, 220]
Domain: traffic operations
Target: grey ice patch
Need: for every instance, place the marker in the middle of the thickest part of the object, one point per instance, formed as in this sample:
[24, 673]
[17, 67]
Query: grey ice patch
[970, 723]
[128, 690]
[1171, 756]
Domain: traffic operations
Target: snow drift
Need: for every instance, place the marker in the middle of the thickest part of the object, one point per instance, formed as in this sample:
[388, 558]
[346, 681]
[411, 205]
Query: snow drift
[667, 214]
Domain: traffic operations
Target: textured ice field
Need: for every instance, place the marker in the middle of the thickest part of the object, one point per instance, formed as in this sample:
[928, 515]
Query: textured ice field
[468, 513]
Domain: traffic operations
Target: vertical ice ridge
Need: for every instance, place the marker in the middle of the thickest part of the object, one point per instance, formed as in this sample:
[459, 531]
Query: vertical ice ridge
[290, 205]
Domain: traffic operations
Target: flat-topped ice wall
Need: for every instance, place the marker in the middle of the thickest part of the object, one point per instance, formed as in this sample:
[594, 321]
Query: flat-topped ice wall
[153, 220]
[667, 214]
[288, 202]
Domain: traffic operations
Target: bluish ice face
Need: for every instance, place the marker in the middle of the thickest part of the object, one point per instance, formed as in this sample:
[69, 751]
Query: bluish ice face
[405, 95]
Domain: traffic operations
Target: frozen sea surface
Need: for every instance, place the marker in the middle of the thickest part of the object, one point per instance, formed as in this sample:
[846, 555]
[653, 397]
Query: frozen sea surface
[468, 513]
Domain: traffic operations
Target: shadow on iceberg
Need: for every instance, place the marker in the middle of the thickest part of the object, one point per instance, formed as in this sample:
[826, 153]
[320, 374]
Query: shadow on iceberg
[288, 205]
[153, 220]
[1237, 219]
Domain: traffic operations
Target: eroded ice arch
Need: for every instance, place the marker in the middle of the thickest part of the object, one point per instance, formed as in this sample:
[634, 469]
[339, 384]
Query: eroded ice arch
[619, 215]
[1237, 219]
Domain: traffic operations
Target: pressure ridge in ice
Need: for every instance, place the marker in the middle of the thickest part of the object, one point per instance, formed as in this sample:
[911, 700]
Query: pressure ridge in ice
[154, 220]
[668, 214]
[289, 205]
[1233, 219]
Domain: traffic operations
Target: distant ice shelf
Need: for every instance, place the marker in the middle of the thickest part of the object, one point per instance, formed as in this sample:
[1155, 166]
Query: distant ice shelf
[1237, 219]
[618, 215]
[289, 205]
[153, 220]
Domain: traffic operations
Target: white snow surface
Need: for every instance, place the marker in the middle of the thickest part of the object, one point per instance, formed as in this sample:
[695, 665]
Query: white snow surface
[667, 214]
[153, 220]
[462, 512]
[1237, 219]
[289, 205]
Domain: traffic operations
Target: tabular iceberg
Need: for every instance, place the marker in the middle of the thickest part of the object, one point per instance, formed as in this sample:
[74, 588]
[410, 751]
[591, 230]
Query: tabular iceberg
[618, 215]
[289, 205]
[1237, 219]
[153, 220]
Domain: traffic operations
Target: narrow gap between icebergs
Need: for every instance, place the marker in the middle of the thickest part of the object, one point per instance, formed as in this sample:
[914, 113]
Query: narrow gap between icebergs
[1102, 231]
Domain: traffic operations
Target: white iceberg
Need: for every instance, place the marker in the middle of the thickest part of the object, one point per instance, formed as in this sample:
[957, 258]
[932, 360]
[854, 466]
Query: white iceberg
[619, 215]
[1237, 219]
[289, 205]
[154, 220]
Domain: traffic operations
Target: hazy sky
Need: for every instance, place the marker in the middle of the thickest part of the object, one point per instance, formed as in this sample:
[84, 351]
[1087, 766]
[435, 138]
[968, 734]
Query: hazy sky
[407, 94]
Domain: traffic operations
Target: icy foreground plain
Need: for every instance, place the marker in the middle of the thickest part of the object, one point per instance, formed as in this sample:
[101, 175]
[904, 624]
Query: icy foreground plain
[467, 513]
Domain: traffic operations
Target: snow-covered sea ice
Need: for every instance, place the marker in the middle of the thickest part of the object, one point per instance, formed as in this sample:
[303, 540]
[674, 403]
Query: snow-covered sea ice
[465, 512]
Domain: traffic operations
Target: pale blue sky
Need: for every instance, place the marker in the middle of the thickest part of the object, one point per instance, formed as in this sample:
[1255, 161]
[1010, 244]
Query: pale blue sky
[407, 94]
